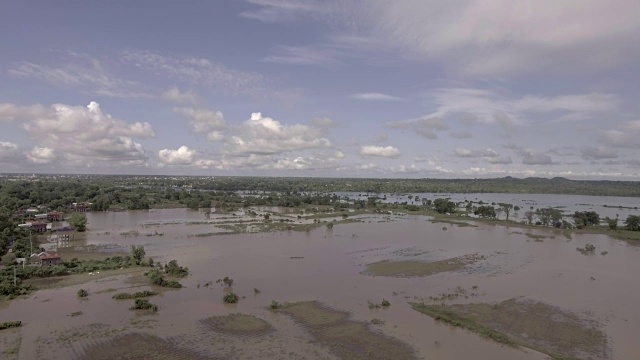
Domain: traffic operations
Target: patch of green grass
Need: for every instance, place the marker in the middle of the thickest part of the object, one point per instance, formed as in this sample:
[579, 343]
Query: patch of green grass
[538, 326]
[136, 295]
[535, 236]
[414, 268]
[440, 313]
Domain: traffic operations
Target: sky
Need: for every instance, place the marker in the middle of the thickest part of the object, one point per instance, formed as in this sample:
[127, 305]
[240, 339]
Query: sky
[351, 88]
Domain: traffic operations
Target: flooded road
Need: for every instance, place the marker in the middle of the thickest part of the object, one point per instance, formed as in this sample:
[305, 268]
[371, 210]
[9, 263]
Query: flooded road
[328, 266]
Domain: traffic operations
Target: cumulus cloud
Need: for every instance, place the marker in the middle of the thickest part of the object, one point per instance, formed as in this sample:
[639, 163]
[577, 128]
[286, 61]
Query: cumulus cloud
[204, 122]
[382, 151]
[375, 97]
[264, 135]
[625, 136]
[8, 150]
[84, 136]
[182, 156]
[11, 112]
[532, 157]
[598, 153]
[323, 122]
[175, 95]
[41, 155]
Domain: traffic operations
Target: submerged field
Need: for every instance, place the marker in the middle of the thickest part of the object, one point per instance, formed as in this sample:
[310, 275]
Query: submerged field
[535, 299]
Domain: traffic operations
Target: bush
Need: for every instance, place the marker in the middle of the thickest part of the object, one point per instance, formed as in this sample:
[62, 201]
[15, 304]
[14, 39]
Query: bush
[156, 278]
[10, 324]
[173, 269]
[385, 303]
[144, 304]
[230, 298]
[82, 293]
[275, 305]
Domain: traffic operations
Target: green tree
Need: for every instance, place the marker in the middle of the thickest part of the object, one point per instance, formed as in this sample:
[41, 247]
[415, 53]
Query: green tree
[137, 253]
[485, 212]
[633, 222]
[444, 206]
[506, 208]
[78, 221]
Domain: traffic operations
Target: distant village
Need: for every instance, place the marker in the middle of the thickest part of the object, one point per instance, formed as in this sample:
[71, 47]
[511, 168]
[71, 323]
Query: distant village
[42, 220]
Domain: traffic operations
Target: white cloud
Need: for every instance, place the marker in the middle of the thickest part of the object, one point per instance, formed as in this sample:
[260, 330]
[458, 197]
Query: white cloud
[41, 155]
[376, 97]
[489, 155]
[461, 134]
[426, 127]
[304, 56]
[481, 106]
[282, 10]
[218, 77]
[88, 75]
[625, 136]
[323, 122]
[8, 150]
[500, 37]
[599, 153]
[405, 169]
[182, 156]
[175, 95]
[10, 112]
[85, 136]
[264, 135]
[204, 122]
[382, 151]
[533, 157]
[368, 166]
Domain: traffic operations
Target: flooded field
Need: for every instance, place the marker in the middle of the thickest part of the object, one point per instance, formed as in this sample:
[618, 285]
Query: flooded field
[328, 283]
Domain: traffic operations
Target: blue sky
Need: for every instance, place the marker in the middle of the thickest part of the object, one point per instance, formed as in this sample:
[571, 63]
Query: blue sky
[409, 88]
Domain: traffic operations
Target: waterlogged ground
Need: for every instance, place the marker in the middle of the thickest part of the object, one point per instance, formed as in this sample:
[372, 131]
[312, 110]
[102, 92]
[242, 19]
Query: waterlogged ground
[333, 282]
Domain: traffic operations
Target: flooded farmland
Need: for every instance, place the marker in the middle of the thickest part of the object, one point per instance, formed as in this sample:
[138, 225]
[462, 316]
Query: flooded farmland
[330, 285]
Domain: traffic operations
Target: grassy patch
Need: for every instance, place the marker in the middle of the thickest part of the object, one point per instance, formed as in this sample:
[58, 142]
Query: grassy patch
[535, 236]
[414, 268]
[135, 295]
[544, 328]
[347, 339]
[453, 222]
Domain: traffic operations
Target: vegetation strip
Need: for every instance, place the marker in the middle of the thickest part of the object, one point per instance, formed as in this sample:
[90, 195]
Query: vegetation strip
[535, 325]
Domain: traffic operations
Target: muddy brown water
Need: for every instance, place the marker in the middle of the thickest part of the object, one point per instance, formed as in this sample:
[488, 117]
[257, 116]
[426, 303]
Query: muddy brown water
[327, 266]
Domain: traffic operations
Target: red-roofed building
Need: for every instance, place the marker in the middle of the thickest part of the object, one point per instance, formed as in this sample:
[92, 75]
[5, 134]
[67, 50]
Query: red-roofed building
[55, 216]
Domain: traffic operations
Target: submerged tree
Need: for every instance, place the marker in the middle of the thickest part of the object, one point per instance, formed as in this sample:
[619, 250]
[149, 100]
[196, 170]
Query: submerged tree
[137, 253]
[78, 221]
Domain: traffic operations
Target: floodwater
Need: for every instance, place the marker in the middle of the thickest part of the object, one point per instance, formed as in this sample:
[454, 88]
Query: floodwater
[327, 265]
